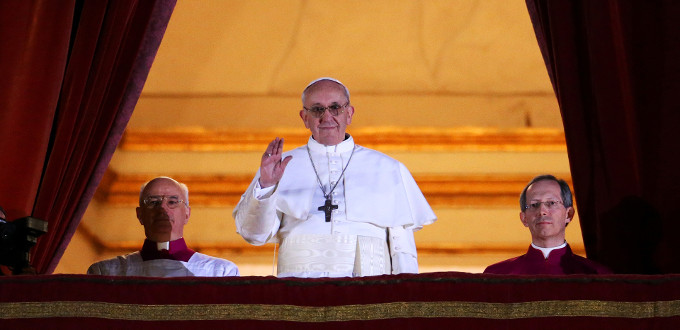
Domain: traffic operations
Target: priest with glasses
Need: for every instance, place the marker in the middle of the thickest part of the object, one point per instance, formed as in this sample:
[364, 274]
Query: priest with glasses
[336, 209]
[546, 208]
[164, 211]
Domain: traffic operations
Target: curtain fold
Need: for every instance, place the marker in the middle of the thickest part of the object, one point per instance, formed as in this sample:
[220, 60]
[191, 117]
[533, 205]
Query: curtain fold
[35, 39]
[108, 49]
[150, 42]
[612, 66]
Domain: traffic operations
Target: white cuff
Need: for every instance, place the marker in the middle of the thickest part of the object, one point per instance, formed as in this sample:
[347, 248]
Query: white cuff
[263, 193]
[402, 250]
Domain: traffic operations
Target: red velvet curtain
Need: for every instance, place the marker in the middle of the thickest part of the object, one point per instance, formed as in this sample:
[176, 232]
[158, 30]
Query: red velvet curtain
[614, 68]
[35, 40]
[72, 74]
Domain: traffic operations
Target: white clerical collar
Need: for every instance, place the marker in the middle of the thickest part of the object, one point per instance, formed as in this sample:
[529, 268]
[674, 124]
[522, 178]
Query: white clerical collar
[166, 245]
[163, 246]
[546, 251]
[344, 146]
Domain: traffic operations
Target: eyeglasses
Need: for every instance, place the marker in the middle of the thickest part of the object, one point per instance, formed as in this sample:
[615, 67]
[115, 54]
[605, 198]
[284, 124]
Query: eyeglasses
[153, 202]
[535, 206]
[333, 109]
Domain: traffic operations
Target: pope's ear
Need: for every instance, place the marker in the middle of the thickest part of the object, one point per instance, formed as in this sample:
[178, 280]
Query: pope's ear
[350, 114]
[302, 116]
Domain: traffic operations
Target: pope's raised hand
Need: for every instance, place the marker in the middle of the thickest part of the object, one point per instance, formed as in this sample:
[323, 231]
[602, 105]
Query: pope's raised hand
[272, 166]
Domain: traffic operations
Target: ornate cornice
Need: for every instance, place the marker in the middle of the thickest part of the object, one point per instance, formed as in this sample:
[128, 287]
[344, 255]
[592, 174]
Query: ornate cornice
[226, 190]
[381, 138]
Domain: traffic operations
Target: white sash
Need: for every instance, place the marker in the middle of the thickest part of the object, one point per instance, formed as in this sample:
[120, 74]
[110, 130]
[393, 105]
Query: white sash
[334, 254]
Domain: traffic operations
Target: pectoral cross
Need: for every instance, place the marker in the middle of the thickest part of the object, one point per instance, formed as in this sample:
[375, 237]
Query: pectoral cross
[327, 208]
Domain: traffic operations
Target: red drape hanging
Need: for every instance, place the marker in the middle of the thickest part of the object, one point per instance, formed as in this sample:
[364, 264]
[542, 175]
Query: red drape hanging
[35, 40]
[91, 59]
[614, 69]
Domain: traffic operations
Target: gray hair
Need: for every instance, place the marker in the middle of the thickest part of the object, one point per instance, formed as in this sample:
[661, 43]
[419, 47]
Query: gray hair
[182, 187]
[304, 92]
[564, 190]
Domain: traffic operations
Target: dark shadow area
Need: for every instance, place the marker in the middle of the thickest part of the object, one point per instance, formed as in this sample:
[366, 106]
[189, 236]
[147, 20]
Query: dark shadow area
[629, 236]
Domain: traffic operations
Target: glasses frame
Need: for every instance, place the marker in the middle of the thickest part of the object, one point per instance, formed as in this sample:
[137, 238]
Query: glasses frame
[146, 202]
[551, 205]
[330, 109]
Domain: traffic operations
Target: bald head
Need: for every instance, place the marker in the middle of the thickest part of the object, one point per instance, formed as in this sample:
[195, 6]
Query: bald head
[182, 187]
[162, 220]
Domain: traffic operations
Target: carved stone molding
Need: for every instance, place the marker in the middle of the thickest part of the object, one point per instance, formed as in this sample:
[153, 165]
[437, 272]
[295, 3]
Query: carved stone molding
[226, 190]
[385, 138]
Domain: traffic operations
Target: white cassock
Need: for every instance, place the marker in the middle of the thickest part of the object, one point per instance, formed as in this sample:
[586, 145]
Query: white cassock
[371, 231]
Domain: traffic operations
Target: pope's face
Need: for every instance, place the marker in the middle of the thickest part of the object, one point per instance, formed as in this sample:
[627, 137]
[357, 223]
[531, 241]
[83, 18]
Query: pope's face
[163, 223]
[546, 224]
[327, 129]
